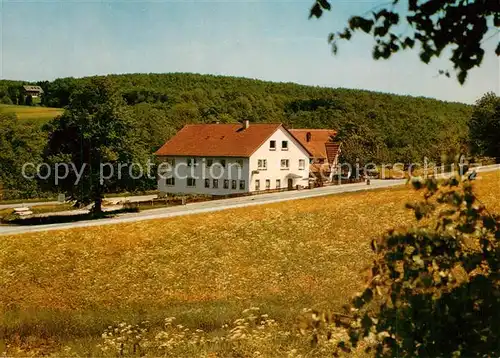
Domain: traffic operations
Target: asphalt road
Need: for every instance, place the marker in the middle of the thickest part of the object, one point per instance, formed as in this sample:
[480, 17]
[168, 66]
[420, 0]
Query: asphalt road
[217, 205]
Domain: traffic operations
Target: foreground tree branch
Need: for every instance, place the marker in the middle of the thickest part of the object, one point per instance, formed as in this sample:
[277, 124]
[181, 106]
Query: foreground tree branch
[436, 25]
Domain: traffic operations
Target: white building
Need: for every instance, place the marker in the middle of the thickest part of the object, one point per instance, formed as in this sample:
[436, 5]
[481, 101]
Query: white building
[224, 159]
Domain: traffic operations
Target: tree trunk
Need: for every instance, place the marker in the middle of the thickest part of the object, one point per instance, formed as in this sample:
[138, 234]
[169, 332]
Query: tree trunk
[97, 205]
[98, 200]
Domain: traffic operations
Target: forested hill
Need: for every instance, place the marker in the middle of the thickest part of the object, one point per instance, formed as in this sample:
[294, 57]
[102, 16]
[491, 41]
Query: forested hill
[375, 126]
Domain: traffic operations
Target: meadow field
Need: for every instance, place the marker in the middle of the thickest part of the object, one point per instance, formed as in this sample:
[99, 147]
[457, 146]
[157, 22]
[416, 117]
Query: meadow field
[114, 290]
[31, 112]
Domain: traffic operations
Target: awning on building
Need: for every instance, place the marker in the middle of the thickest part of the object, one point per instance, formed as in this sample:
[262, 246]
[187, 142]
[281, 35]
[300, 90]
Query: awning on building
[293, 176]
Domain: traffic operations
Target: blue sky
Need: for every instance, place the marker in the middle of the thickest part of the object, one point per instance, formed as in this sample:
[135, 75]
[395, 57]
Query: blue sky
[267, 40]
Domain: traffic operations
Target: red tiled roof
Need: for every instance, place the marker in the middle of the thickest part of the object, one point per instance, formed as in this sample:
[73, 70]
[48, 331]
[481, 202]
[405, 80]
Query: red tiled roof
[318, 140]
[218, 140]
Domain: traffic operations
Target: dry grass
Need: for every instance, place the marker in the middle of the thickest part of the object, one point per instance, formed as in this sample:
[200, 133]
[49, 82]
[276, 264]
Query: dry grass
[32, 113]
[203, 269]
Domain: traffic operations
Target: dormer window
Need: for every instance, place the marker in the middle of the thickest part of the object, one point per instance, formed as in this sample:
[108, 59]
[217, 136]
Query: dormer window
[272, 145]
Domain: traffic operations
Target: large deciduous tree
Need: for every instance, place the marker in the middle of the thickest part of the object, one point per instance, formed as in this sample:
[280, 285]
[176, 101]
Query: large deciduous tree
[93, 137]
[484, 127]
[435, 25]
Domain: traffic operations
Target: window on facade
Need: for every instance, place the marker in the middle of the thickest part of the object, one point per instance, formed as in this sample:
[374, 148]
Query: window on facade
[215, 183]
[210, 162]
[191, 162]
[170, 161]
[170, 181]
[302, 164]
[257, 184]
[278, 184]
[242, 185]
[165, 169]
[284, 145]
[272, 145]
[223, 163]
[233, 184]
[285, 164]
[240, 162]
[262, 164]
[321, 161]
[207, 183]
[268, 184]
[191, 182]
[226, 184]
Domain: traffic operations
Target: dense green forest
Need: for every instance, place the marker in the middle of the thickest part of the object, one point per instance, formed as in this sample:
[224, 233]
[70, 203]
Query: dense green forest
[377, 127]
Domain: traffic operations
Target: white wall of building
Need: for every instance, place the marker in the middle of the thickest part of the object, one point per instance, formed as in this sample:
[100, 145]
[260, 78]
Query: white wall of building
[247, 176]
[274, 171]
[201, 171]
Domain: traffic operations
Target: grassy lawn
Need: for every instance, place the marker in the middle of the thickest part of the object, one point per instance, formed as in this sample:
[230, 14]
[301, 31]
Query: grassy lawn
[27, 201]
[40, 209]
[61, 289]
[31, 112]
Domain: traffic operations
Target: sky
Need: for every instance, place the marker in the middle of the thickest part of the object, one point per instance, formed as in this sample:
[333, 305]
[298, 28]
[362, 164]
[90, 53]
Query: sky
[268, 40]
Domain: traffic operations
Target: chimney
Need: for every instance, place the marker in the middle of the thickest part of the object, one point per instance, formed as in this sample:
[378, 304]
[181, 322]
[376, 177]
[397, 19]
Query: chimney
[308, 136]
[246, 124]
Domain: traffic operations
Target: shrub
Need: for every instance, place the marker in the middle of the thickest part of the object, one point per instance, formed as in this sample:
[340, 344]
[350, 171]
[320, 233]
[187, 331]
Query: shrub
[434, 289]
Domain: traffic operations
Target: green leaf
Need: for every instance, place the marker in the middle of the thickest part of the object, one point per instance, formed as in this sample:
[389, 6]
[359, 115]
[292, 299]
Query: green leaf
[325, 4]
[462, 76]
[316, 11]
[367, 295]
[418, 260]
[358, 302]
[382, 30]
[417, 184]
[334, 48]
[346, 34]
[314, 340]
[426, 280]
[425, 57]
[366, 322]
[393, 18]
[358, 22]
[409, 42]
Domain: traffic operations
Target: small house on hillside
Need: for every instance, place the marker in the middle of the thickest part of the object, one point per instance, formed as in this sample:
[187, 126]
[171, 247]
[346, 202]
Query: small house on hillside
[33, 91]
[223, 159]
[325, 152]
